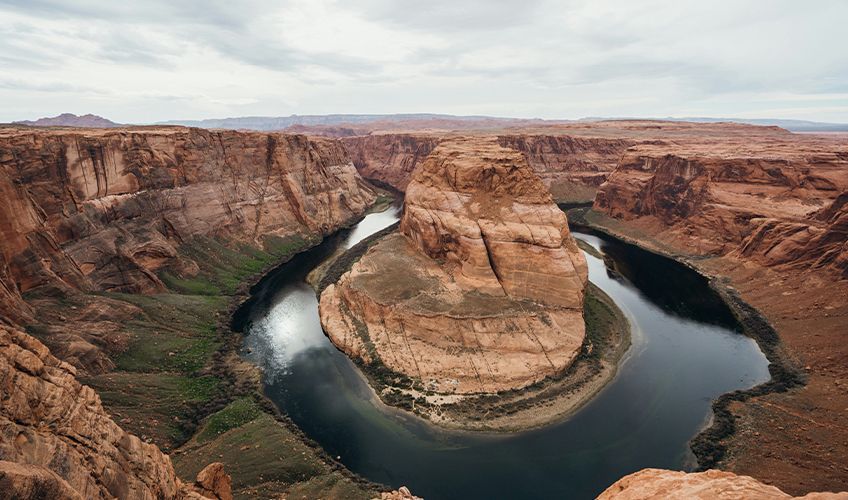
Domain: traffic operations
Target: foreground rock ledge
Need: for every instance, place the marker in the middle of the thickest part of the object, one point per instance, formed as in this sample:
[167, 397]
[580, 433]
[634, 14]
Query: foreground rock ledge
[482, 289]
[712, 484]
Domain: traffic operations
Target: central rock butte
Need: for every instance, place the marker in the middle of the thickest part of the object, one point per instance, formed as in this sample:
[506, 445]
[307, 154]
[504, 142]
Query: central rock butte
[481, 290]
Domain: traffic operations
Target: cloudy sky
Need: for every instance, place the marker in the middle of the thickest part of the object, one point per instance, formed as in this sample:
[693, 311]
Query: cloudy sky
[190, 59]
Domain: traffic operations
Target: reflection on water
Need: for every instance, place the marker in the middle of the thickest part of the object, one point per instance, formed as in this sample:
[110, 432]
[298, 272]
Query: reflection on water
[286, 327]
[684, 354]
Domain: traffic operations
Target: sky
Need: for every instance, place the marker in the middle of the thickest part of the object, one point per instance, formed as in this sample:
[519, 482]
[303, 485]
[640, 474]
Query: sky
[142, 62]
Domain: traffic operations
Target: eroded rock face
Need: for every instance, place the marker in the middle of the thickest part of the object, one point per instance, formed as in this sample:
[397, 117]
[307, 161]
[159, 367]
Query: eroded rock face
[571, 166]
[390, 158]
[712, 484]
[818, 243]
[482, 289]
[49, 420]
[98, 210]
[766, 204]
[21, 481]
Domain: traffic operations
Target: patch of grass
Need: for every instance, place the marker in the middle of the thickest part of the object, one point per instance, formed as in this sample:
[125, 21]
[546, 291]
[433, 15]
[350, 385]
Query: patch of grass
[267, 460]
[600, 319]
[235, 414]
[154, 406]
[224, 268]
[191, 286]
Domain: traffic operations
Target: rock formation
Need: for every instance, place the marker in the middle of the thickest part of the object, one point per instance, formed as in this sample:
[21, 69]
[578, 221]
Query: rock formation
[482, 289]
[71, 120]
[56, 439]
[713, 484]
[108, 210]
[820, 242]
[571, 166]
[85, 211]
[390, 158]
[762, 203]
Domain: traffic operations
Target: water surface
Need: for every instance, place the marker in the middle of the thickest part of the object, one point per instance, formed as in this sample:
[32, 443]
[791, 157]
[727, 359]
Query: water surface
[686, 351]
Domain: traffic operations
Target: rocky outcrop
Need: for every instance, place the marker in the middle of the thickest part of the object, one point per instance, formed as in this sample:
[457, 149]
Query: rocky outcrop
[482, 289]
[19, 481]
[760, 204]
[402, 493]
[390, 158]
[109, 210]
[571, 166]
[820, 242]
[712, 484]
[62, 440]
[213, 482]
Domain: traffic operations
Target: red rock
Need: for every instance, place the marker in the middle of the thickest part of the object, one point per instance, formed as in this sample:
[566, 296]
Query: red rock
[712, 484]
[106, 210]
[481, 291]
[213, 482]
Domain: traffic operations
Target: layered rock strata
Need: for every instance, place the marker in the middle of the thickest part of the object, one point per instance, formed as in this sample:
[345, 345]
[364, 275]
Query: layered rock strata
[658, 484]
[109, 210]
[390, 158]
[57, 441]
[777, 207]
[480, 291]
[89, 211]
[571, 166]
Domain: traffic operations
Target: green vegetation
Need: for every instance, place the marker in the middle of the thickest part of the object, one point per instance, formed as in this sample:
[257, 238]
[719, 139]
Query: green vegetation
[171, 385]
[224, 268]
[264, 457]
[239, 412]
[165, 381]
[602, 319]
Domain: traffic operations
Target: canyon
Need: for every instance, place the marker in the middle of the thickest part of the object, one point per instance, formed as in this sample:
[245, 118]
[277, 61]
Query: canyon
[759, 210]
[122, 250]
[100, 211]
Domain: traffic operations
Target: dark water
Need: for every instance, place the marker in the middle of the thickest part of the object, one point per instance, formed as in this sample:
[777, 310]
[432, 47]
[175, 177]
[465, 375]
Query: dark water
[685, 353]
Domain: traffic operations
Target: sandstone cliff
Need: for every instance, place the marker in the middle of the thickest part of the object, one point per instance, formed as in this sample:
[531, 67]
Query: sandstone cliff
[712, 484]
[819, 242]
[571, 166]
[86, 213]
[481, 291]
[57, 440]
[109, 210]
[763, 203]
[390, 158]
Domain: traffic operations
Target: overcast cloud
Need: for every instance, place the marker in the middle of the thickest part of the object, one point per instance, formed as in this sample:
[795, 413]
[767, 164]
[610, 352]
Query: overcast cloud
[155, 60]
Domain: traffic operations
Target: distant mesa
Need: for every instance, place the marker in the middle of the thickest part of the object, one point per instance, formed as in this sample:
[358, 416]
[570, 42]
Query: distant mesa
[343, 125]
[71, 120]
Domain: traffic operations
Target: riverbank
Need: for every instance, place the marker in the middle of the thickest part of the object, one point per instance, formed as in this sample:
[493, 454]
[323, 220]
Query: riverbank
[789, 431]
[542, 403]
[181, 383]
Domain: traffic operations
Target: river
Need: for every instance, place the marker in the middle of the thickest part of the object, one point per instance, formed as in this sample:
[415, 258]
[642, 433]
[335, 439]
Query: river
[686, 350]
